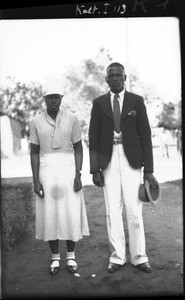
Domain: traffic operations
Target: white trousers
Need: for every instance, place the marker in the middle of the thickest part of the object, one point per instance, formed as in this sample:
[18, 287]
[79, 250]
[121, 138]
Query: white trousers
[122, 184]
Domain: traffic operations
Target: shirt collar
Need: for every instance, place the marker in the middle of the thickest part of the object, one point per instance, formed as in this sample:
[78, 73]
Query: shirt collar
[58, 117]
[56, 136]
[121, 95]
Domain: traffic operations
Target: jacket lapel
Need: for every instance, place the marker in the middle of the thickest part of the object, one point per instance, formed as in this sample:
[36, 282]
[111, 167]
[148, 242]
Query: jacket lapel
[128, 104]
[106, 105]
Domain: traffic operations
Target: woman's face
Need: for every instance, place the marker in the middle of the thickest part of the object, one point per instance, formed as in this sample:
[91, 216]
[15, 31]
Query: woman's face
[53, 102]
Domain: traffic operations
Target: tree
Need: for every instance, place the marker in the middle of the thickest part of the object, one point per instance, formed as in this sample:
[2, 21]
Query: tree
[148, 92]
[84, 83]
[161, 114]
[21, 101]
[170, 118]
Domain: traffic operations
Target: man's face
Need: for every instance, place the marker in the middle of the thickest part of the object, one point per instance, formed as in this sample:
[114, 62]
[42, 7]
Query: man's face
[53, 102]
[115, 79]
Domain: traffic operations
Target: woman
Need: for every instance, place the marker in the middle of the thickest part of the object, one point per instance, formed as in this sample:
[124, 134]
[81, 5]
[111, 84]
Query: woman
[56, 161]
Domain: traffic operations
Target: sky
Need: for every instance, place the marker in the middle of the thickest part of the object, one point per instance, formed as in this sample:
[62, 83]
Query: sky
[31, 50]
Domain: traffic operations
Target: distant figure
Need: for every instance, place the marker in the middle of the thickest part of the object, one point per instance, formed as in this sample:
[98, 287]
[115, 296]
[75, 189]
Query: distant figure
[120, 145]
[164, 144]
[56, 160]
[179, 141]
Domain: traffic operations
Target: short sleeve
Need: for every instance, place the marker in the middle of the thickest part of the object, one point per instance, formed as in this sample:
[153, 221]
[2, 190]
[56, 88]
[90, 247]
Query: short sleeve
[33, 133]
[76, 131]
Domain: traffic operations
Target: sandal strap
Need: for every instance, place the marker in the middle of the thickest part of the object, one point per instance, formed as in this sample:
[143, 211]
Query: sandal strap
[55, 263]
[71, 262]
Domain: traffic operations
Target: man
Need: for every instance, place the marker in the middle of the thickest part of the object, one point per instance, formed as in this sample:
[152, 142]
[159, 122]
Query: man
[120, 146]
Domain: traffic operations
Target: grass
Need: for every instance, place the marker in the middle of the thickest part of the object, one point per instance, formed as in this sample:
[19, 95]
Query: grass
[17, 212]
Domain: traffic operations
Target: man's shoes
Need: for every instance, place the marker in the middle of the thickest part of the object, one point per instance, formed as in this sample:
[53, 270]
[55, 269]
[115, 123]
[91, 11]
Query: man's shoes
[145, 267]
[54, 267]
[112, 267]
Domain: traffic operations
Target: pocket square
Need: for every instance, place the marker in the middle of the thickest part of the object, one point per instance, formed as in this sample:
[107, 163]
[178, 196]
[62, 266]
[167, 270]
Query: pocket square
[132, 113]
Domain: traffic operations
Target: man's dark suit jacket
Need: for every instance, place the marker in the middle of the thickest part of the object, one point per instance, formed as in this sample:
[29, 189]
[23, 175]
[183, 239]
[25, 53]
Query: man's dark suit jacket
[135, 129]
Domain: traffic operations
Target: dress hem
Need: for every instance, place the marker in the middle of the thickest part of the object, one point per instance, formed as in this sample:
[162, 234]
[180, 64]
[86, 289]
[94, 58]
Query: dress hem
[60, 238]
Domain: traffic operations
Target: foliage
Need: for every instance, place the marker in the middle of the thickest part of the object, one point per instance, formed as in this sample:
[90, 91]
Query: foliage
[161, 114]
[152, 100]
[17, 212]
[85, 83]
[170, 117]
[21, 101]
[82, 84]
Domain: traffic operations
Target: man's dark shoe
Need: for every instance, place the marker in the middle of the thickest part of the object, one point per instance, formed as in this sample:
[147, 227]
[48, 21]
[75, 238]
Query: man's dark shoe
[112, 267]
[145, 267]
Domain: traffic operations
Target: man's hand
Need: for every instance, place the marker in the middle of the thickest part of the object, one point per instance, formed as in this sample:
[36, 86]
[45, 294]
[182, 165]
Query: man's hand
[38, 189]
[151, 179]
[98, 179]
[77, 182]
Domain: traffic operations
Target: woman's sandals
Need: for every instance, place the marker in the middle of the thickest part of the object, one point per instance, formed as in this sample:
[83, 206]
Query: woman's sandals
[70, 260]
[72, 266]
[55, 266]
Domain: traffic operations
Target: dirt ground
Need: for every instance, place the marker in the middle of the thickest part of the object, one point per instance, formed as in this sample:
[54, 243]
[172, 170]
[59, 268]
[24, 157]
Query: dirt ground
[25, 268]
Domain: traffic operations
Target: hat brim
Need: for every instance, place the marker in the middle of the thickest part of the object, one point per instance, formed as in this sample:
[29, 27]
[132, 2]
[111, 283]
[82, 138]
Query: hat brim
[49, 94]
[52, 90]
[148, 193]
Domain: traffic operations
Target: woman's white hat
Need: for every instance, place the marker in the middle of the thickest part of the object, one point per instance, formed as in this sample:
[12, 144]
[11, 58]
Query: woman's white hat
[52, 86]
[53, 90]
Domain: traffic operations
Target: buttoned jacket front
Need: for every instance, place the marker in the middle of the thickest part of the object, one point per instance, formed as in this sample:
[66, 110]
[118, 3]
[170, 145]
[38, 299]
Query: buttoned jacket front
[136, 133]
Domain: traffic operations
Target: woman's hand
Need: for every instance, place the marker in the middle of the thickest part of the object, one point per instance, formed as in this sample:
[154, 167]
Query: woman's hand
[38, 189]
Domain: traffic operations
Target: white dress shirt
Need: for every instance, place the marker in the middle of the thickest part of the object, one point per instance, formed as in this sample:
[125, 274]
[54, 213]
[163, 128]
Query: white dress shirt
[120, 99]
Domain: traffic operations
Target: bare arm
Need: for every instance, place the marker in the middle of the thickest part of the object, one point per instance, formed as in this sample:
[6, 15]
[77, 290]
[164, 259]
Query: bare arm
[78, 152]
[34, 156]
[94, 132]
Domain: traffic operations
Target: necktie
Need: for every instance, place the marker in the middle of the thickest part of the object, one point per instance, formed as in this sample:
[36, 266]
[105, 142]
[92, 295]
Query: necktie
[116, 113]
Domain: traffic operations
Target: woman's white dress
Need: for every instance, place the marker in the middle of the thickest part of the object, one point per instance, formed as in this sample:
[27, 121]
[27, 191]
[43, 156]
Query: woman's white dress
[61, 214]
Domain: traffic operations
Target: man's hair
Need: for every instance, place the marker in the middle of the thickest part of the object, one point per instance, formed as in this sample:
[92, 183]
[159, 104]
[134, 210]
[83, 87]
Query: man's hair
[115, 64]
